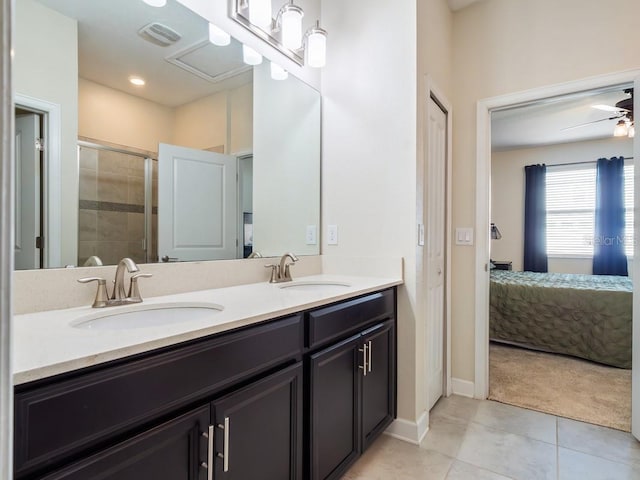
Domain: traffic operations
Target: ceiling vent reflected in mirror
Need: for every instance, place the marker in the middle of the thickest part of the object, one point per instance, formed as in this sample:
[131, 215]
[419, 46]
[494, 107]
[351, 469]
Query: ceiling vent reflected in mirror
[159, 34]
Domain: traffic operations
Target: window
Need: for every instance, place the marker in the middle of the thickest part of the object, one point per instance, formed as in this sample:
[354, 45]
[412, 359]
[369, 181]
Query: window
[571, 204]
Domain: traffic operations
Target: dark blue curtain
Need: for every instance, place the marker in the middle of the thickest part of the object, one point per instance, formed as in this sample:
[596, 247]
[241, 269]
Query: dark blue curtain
[608, 251]
[535, 219]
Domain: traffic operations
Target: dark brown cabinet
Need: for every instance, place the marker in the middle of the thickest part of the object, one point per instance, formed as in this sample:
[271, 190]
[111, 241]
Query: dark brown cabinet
[351, 382]
[292, 398]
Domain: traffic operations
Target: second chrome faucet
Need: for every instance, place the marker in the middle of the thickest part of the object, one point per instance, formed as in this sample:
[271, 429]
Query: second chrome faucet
[119, 295]
[281, 272]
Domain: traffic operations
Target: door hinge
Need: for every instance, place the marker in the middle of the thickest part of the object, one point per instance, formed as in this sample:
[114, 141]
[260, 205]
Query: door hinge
[40, 144]
[39, 242]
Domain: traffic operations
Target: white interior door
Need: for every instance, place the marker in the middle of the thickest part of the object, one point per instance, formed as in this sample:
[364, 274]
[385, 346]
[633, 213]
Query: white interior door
[197, 197]
[27, 207]
[435, 248]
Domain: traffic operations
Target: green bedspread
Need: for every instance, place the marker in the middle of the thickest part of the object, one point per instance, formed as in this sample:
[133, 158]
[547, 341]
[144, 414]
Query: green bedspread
[588, 316]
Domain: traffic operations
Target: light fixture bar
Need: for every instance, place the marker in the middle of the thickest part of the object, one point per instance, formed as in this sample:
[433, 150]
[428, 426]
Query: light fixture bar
[316, 48]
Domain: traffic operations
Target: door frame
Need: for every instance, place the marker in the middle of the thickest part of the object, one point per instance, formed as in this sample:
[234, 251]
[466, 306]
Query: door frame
[51, 175]
[483, 206]
[434, 92]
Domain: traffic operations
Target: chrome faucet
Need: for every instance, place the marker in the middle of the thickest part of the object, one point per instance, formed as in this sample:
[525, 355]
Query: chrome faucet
[281, 272]
[118, 296]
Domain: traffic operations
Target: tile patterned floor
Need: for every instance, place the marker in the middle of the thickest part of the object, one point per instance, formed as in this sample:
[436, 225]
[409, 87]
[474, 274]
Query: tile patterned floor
[483, 440]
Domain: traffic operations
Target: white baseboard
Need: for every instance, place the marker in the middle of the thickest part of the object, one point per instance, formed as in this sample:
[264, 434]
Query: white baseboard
[464, 388]
[408, 431]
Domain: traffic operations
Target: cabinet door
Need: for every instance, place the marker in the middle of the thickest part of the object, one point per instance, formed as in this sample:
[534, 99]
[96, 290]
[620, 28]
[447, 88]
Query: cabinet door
[378, 385]
[334, 398]
[258, 429]
[171, 451]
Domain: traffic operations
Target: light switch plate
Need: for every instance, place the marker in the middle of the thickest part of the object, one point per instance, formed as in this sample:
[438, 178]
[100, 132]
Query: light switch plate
[312, 235]
[464, 236]
[332, 234]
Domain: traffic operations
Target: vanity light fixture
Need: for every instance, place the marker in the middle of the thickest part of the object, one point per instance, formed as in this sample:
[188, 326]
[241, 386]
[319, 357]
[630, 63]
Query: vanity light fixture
[290, 22]
[250, 56]
[137, 81]
[278, 73]
[218, 37]
[260, 13]
[316, 46]
[155, 3]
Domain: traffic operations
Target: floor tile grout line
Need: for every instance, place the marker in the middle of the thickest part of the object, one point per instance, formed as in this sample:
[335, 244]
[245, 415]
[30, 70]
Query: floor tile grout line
[629, 463]
[514, 433]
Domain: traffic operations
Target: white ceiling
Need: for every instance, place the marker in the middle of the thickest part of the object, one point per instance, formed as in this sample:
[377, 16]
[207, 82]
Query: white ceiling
[548, 122]
[110, 50]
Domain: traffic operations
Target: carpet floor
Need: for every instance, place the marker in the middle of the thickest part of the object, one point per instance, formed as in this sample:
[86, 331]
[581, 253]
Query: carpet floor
[560, 385]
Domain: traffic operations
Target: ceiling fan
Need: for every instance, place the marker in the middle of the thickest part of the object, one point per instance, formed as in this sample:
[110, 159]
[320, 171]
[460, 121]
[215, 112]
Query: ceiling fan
[622, 111]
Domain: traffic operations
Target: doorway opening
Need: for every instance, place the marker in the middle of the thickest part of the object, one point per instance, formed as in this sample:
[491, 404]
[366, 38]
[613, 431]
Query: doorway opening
[494, 185]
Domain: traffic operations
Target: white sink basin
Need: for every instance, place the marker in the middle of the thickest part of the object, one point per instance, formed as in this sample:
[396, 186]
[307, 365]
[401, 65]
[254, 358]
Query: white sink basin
[146, 315]
[314, 285]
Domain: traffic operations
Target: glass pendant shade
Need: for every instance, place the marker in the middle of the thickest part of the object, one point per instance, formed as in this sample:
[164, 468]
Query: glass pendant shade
[291, 19]
[278, 73]
[621, 129]
[217, 36]
[317, 48]
[250, 56]
[155, 3]
[260, 13]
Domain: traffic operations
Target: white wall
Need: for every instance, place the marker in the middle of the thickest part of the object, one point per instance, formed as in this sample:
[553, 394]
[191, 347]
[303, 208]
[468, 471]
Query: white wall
[507, 193]
[505, 46]
[286, 163]
[202, 124]
[116, 117]
[45, 67]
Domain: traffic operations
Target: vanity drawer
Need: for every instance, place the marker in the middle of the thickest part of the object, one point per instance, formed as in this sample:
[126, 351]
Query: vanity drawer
[336, 321]
[56, 421]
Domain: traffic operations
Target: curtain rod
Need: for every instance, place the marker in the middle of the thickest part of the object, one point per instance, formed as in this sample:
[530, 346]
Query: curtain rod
[580, 163]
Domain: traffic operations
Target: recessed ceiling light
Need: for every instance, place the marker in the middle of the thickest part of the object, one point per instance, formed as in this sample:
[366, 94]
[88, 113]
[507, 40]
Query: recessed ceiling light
[155, 3]
[137, 81]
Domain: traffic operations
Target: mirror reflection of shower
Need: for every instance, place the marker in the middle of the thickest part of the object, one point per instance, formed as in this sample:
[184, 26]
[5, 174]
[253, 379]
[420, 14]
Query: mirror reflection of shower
[118, 205]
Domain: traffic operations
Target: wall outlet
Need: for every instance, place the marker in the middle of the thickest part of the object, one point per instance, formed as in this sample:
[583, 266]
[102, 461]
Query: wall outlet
[312, 235]
[332, 234]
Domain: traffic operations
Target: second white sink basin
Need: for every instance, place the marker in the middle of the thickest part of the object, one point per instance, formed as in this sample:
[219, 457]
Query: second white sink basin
[314, 285]
[147, 315]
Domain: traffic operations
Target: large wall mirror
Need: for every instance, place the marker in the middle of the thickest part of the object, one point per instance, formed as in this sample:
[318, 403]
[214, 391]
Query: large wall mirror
[209, 159]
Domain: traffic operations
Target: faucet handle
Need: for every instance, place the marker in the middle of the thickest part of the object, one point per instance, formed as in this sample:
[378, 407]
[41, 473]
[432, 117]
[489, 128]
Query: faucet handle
[102, 297]
[275, 271]
[134, 291]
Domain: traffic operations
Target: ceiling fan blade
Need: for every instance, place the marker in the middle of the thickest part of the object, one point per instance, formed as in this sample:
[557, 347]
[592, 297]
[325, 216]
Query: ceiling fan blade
[595, 121]
[609, 108]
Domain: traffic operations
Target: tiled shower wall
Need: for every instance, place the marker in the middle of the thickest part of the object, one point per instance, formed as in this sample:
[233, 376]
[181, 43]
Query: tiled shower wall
[111, 207]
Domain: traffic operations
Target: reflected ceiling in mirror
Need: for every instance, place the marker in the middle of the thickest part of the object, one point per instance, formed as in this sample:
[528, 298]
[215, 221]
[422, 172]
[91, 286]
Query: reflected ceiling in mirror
[196, 95]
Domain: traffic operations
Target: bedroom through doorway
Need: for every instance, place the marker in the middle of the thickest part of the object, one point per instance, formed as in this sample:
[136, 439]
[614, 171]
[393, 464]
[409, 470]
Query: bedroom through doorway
[560, 293]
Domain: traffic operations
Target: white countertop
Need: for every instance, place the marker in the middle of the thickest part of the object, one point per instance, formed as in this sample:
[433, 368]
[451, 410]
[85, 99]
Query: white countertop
[45, 344]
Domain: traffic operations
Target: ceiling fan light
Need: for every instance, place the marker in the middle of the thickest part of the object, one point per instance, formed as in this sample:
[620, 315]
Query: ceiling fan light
[621, 130]
[260, 13]
[250, 56]
[291, 21]
[217, 36]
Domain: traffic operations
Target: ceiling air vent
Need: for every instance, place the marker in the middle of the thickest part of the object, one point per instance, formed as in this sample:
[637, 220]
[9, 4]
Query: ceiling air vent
[159, 34]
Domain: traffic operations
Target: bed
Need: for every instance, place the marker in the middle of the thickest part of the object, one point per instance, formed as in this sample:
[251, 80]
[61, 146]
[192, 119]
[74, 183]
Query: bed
[587, 316]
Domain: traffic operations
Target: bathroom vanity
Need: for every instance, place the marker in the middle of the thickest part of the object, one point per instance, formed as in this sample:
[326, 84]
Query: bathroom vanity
[295, 396]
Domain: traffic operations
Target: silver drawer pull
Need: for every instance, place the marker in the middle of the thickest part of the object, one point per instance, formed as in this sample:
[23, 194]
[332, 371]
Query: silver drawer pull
[225, 448]
[364, 367]
[209, 463]
[369, 363]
